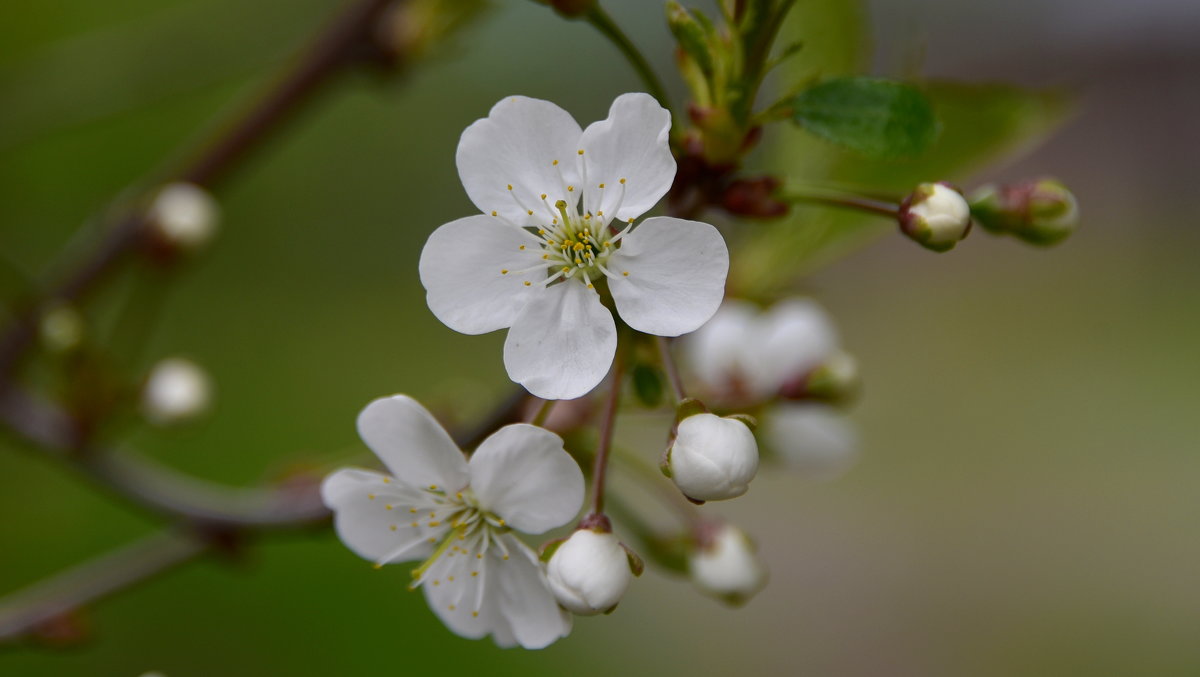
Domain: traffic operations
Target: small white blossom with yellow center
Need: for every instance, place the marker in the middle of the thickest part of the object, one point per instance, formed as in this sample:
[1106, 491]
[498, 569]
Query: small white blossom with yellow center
[559, 210]
[457, 518]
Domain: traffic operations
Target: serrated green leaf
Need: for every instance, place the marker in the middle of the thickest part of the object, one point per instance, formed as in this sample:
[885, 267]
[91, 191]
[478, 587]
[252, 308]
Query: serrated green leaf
[878, 118]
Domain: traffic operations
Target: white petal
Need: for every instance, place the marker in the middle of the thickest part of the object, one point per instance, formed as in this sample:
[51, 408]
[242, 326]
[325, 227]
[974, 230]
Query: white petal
[676, 275]
[463, 269]
[814, 440]
[370, 520]
[714, 352]
[522, 474]
[562, 344]
[525, 600]
[516, 145]
[412, 444]
[463, 597]
[794, 337]
[631, 144]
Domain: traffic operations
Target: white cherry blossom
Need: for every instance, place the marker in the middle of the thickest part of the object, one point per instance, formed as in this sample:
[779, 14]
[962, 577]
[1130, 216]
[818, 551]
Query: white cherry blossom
[749, 353]
[457, 516]
[559, 208]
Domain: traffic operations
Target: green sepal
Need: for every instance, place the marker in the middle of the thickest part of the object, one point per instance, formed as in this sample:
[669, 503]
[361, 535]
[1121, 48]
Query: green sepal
[547, 550]
[690, 406]
[750, 421]
[636, 564]
[693, 39]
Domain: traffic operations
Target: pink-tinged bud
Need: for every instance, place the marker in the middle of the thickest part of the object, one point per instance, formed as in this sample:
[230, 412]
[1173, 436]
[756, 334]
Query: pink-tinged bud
[1041, 212]
[936, 216]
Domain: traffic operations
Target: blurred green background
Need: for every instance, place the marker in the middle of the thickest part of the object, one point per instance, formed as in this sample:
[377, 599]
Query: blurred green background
[1027, 500]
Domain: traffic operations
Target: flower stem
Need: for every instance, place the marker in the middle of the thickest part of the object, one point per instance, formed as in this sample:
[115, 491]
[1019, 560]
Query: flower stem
[543, 412]
[846, 200]
[600, 469]
[664, 350]
[604, 23]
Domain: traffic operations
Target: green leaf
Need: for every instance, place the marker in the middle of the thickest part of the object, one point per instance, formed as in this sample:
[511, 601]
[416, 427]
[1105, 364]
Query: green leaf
[879, 118]
[980, 125]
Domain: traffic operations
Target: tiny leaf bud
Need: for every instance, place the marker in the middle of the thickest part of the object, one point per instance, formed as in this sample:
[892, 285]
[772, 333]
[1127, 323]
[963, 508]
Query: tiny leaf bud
[936, 216]
[1041, 212]
[184, 215]
[177, 390]
[589, 572]
[712, 458]
[726, 566]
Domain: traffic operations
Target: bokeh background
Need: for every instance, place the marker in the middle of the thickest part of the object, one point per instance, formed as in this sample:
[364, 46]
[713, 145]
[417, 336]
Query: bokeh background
[1027, 500]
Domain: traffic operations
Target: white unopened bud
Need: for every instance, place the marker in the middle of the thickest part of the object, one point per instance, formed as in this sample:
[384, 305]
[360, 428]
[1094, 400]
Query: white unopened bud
[176, 390]
[185, 215]
[727, 566]
[712, 458]
[62, 328]
[813, 440]
[936, 215]
[589, 572]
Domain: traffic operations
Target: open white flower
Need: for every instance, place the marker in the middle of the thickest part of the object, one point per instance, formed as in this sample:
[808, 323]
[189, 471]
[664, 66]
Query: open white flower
[458, 516]
[749, 353]
[531, 262]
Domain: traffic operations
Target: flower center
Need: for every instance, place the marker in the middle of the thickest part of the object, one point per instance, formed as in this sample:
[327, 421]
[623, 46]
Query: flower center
[472, 530]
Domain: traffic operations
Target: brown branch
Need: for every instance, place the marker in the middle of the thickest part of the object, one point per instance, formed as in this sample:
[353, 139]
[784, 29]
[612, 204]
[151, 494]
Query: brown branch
[44, 602]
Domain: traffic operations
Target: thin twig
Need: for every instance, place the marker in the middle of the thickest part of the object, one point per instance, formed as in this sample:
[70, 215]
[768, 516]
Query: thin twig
[25, 610]
[600, 469]
[845, 201]
[604, 23]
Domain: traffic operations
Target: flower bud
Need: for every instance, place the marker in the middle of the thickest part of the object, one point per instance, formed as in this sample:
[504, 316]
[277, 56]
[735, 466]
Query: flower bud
[837, 379]
[813, 440]
[589, 572]
[177, 390]
[1042, 212]
[712, 458]
[61, 328]
[184, 215]
[936, 216]
[726, 566]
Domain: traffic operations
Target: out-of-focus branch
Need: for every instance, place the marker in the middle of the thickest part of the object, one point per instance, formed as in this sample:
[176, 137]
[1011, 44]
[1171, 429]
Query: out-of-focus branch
[349, 39]
[36, 606]
[158, 487]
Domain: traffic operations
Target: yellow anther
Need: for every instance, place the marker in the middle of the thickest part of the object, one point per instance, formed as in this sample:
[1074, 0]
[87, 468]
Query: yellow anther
[578, 246]
[510, 186]
[433, 540]
[522, 248]
[530, 211]
[555, 163]
[493, 212]
[474, 573]
[450, 578]
[628, 220]
[452, 607]
[435, 524]
[433, 487]
[479, 555]
[626, 273]
[458, 495]
[475, 614]
[590, 287]
[608, 243]
[389, 507]
[505, 558]
[543, 196]
[566, 268]
[377, 565]
[570, 189]
[415, 525]
[622, 180]
[371, 497]
[413, 510]
[437, 582]
[545, 256]
[502, 522]
[504, 271]
[528, 283]
[387, 480]
[581, 151]
[601, 212]
[602, 185]
[392, 527]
